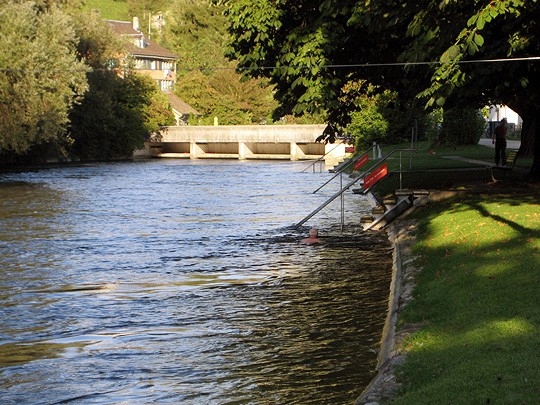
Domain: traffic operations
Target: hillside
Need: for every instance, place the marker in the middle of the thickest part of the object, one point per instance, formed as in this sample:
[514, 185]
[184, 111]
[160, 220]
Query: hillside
[109, 9]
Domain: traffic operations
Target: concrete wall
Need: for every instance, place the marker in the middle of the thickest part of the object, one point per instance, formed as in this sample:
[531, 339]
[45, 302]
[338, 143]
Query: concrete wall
[291, 142]
[244, 133]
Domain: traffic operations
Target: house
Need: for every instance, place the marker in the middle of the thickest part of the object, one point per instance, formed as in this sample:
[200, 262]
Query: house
[497, 113]
[154, 60]
[181, 110]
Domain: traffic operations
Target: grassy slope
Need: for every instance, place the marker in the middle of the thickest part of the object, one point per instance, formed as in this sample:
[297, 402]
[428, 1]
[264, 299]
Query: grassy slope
[109, 9]
[430, 168]
[478, 296]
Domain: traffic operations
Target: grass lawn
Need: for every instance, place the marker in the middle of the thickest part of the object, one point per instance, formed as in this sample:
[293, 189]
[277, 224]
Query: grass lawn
[109, 10]
[438, 168]
[477, 296]
[439, 158]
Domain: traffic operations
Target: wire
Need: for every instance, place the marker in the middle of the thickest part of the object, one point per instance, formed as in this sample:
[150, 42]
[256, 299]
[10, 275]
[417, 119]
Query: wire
[342, 66]
[390, 64]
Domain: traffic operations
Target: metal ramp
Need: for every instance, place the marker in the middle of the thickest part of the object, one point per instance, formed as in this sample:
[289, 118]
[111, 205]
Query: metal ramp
[385, 212]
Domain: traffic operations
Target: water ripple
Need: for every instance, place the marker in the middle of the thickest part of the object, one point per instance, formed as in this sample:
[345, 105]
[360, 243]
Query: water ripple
[177, 281]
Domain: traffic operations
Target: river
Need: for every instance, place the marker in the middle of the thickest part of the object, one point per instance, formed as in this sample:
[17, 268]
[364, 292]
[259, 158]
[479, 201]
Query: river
[182, 281]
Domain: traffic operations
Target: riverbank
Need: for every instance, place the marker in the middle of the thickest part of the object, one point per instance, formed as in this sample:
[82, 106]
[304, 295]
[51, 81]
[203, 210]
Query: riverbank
[417, 333]
[402, 234]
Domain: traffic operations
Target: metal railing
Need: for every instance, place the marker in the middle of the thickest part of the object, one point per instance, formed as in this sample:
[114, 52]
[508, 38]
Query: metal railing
[352, 182]
[320, 159]
[346, 166]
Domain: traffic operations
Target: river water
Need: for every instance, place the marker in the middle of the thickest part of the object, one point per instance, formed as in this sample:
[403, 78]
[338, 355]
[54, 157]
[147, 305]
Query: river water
[182, 281]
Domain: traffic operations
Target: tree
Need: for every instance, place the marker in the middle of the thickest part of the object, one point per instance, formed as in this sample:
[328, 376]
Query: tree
[41, 77]
[196, 32]
[461, 126]
[97, 45]
[505, 33]
[117, 115]
[140, 8]
[311, 50]
[121, 108]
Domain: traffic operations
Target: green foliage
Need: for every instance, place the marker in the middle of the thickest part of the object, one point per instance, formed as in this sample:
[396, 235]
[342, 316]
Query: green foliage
[44, 90]
[96, 44]
[142, 8]
[40, 76]
[461, 126]
[312, 50]
[433, 125]
[116, 116]
[304, 47]
[380, 117]
[196, 32]
[223, 96]
[109, 9]
[368, 125]
[303, 119]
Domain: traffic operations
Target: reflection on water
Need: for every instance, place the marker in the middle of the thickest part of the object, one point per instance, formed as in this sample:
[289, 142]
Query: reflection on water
[181, 281]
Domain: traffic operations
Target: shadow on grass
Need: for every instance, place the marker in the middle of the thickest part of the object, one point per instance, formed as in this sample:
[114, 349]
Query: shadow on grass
[478, 296]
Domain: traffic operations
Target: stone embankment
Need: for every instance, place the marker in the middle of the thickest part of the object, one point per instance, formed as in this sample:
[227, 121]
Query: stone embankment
[402, 234]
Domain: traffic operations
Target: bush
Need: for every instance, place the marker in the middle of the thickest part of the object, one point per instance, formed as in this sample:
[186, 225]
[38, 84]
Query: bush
[461, 126]
[385, 119]
[368, 125]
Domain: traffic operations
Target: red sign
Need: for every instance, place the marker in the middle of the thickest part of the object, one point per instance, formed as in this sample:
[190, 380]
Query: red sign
[376, 175]
[361, 162]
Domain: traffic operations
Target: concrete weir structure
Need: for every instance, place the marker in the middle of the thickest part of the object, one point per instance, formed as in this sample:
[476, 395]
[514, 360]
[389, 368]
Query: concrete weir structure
[287, 142]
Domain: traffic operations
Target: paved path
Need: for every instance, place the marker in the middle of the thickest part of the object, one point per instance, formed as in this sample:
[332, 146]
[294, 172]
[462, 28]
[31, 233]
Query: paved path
[509, 144]
[486, 142]
[477, 162]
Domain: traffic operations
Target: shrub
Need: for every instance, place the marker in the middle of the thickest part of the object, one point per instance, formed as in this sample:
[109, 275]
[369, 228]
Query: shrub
[461, 126]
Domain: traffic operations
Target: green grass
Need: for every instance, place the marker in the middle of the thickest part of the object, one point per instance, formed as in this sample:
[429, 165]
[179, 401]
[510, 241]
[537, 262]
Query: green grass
[109, 9]
[477, 294]
[478, 297]
[431, 167]
[437, 158]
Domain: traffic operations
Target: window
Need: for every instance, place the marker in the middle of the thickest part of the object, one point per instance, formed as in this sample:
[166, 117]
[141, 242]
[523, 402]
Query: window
[166, 85]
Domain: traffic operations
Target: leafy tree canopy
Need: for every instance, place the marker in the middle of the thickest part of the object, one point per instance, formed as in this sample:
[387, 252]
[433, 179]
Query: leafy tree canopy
[41, 77]
[427, 48]
[196, 31]
[117, 115]
[59, 90]
[142, 8]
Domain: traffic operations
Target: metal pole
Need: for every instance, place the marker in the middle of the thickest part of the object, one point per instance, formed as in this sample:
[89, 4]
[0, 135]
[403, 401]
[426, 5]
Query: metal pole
[400, 173]
[342, 202]
[412, 145]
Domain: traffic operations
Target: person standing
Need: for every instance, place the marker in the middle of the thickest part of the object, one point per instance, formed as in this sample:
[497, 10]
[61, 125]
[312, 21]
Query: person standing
[499, 139]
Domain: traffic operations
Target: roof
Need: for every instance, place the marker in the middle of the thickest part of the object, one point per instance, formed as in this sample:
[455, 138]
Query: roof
[124, 28]
[150, 50]
[153, 50]
[180, 105]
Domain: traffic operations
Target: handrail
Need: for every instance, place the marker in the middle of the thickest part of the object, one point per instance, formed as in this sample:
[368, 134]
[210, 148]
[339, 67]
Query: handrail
[346, 166]
[320, 158]
[348, 185]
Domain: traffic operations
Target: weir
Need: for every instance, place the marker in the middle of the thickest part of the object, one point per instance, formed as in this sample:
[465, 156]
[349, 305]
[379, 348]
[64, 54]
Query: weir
[287, 142]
